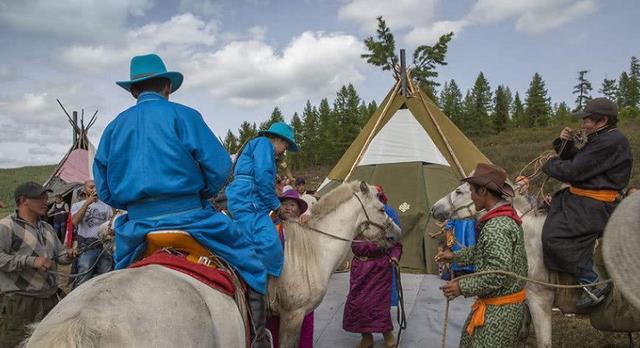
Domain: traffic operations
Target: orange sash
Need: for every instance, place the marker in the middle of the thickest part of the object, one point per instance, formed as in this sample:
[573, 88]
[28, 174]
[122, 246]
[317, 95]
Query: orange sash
[479, 308]
[600, 195]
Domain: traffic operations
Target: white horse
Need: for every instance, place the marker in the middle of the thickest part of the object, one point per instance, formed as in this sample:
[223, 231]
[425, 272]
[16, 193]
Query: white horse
[154, 306]
[458, 205]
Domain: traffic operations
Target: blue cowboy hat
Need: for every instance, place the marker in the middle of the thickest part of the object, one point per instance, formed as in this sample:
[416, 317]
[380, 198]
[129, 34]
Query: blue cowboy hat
[284, 131]
[147, 67]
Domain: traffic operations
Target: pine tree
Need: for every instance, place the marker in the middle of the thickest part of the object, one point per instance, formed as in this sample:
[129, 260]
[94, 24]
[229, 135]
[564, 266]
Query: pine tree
[425, 60]
[346, 112]
[562, 114]
[517, 112]
[363, 114]
[633, 89]
[467, 124]
[451, 102]
[382, 49]
[298, 130]
[373, 106]
[538, 106]
[501, 113]
[231, 142]
[309, 141]
[582, 89]
[246, 132]
[276, 116]
[609, 89]
[481, 98]
[623, 90]
[327, 132]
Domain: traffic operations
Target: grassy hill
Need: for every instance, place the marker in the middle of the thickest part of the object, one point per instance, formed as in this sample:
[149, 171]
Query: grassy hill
[512, 150]
[11, 178]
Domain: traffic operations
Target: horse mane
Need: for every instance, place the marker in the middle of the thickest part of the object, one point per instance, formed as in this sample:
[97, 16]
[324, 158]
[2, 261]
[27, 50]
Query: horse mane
[332, 200]
[300, 242]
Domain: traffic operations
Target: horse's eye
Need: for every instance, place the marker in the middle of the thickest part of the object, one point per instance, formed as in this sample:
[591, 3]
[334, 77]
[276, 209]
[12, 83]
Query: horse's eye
[458, 192]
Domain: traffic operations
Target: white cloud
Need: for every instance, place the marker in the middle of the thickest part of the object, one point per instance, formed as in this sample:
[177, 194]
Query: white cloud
[249, 73]
[399, 14]
[174, 38]
[87, 20]
[258, 33]
[531, 16]
[430, 34]
[537, 22]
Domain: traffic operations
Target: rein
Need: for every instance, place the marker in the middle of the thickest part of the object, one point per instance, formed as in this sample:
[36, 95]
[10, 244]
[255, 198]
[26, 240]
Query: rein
[365, 225]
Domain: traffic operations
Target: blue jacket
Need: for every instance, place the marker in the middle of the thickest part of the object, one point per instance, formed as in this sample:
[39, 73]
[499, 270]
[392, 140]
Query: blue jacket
[465, 234]
[254, 183]
[160, 161]
[252, 195]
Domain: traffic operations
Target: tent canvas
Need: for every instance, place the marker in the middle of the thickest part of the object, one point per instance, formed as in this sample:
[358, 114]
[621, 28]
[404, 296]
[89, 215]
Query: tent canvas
[418, 155]
[76, 166]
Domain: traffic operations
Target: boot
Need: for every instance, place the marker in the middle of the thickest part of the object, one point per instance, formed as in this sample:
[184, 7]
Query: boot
[592, 296]
[261, 336]
[366, 341]
[389, 339]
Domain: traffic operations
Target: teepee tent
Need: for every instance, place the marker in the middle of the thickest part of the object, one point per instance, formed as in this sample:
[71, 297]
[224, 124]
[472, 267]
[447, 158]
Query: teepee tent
[418, 155]
[75, 167]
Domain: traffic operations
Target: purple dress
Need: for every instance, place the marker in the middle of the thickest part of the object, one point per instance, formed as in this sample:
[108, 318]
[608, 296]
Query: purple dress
[368, 302]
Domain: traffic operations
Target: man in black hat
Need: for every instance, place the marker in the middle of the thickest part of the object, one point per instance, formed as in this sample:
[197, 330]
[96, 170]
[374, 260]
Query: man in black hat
[29, 248]
[596, 172]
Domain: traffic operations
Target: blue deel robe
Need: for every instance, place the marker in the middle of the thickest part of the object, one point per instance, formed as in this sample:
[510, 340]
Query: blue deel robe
[465, 234]
[394, 289]
[160, 161]
[252, 195]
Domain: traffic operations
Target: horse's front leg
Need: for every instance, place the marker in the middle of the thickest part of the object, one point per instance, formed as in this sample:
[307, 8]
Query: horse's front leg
[290, 325]
[540, 301]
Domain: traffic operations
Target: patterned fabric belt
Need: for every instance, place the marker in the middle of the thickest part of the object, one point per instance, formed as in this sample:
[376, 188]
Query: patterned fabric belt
[479, 308]
[600, 195]
[368, 258]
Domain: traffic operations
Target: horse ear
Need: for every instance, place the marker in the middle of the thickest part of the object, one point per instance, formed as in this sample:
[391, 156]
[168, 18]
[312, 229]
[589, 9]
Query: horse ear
[364, 187]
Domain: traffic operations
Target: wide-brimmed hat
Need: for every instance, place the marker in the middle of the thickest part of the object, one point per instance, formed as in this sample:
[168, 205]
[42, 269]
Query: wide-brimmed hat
[620, 245]
[284, 131]
[147, 67]
[293, 194]
[598, 106]
[492, 177]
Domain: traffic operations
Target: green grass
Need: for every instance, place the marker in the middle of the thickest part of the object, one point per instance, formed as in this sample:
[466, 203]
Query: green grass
[11, 178]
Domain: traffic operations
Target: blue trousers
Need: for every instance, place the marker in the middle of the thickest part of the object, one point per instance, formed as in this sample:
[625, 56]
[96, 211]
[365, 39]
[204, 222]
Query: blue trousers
[102, 260]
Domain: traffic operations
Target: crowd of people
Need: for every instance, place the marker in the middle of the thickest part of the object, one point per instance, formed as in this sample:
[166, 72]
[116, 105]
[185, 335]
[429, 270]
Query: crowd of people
[167, 169]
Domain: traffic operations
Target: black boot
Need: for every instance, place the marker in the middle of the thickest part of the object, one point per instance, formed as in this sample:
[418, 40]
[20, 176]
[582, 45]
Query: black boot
[261, 336]
[592, 296]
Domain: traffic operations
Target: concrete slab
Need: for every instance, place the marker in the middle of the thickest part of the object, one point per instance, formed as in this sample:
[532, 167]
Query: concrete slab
[425, 308]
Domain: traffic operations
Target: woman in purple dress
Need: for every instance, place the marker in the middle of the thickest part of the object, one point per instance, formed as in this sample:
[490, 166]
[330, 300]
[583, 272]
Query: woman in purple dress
[367, 308]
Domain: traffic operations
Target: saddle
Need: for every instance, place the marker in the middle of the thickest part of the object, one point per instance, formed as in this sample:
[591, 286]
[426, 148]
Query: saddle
[179, 251]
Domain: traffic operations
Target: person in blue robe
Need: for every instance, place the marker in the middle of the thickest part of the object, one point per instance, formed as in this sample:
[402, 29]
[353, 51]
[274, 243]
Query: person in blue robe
[160, 161]
[251, 196]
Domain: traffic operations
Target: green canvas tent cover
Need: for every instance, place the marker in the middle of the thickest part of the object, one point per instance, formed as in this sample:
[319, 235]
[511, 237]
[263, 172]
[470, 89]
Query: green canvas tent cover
[418, 155]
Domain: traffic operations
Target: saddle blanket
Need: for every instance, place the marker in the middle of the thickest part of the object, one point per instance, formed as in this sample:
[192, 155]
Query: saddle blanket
[216, 278]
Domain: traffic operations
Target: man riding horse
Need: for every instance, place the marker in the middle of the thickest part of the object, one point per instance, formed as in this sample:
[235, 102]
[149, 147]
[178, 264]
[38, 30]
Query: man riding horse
[596, 173]
[160, 161]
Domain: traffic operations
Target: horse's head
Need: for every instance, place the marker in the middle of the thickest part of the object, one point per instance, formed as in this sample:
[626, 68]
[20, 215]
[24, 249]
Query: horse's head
[375, 224]
[455, 205]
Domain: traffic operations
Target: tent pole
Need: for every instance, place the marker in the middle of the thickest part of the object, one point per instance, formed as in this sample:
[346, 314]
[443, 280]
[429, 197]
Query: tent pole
[403, 74]
[370, 137]
[444, 139]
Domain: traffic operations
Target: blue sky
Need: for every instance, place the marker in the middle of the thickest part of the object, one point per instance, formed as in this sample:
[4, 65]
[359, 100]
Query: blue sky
[241, 58]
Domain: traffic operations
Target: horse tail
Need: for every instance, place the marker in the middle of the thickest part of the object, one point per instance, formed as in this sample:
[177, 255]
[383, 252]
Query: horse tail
[74, 332]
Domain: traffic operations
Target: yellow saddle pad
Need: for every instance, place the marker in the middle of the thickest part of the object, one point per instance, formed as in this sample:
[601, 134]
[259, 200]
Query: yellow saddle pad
[177, 240]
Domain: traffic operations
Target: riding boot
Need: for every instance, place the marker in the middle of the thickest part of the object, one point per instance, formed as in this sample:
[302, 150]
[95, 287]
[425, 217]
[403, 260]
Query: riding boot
[261, 336]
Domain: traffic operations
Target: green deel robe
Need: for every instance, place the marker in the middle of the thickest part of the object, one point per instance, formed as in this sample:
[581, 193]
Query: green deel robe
[500, 246]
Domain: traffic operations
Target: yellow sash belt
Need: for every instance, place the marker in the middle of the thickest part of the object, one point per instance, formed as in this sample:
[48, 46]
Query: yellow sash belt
[600, 195]
[479, 308]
